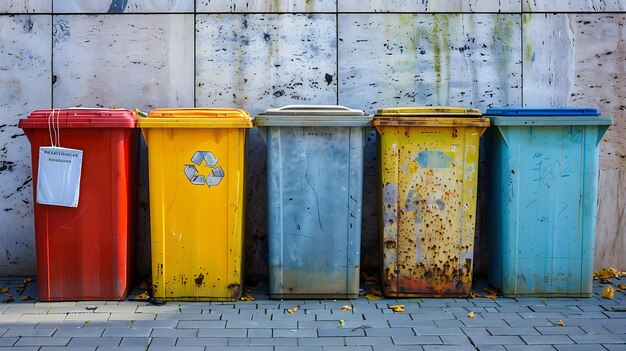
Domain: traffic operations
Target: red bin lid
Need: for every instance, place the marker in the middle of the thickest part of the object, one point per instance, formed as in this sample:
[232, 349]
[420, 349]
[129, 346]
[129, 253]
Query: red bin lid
[79, 117]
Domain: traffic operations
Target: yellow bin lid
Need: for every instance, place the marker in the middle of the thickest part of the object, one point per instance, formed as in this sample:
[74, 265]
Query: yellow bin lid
[431, 116]
[196, 118]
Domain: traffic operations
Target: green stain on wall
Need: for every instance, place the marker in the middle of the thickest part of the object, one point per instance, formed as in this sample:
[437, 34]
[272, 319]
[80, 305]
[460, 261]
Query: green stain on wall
[502, 33]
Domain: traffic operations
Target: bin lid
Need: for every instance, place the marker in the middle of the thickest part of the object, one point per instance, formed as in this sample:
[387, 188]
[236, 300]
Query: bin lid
[547, 116]
[313, 116]
[196, 118]
[432, 116]
[80, 117]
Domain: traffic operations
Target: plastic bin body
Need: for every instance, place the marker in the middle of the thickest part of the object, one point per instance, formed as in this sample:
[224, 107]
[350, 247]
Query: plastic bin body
[543, 196]
[428, 164]
[315, 182]
[85, 253]
[196, 202]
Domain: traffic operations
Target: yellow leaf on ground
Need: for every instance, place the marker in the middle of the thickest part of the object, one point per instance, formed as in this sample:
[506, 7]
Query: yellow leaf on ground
[346, 308]
[470, 315]
[492, 296]
[9, 298]
[142, 296]
[607, 273]
[608, 292]
[376, 292]
[561, 323]
[247, 297]
[621, 287]
[293, 310]
[362, 293]
[475, 295]
[605, 281]
[371, 296]
[25, 297]
[4, 289]
[248, 290]
[397, 308]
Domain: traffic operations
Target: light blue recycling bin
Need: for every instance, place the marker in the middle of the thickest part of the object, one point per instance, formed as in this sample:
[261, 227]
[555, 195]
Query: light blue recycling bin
[543, 184]
[315, 182]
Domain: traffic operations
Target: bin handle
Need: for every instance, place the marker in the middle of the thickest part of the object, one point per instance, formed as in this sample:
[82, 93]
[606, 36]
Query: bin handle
[313, 107]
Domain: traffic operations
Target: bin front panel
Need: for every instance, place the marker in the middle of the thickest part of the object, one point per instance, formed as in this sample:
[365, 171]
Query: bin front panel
[196, 209]
[428, 195]
[543, 209]
[315, 178]
[85, 253]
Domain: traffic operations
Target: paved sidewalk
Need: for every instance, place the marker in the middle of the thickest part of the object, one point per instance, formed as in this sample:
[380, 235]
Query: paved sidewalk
[265, 325]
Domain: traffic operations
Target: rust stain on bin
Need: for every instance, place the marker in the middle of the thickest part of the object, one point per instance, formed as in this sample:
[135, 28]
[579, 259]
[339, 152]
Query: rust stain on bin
[428, 172]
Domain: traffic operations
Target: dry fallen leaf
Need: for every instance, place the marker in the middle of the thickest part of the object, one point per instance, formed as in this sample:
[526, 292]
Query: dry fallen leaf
[605, 281]
[608, 292]
[621, 287]
[608, 273]
[142, 296]
[346, 308]
[4, 289]
[25, 297]
[247, 297]
[371, 296]
[9, 298]
[561, 323]
[294, 310]
[470, 315]
[475, 295]
[27, 280]
[397, 308]
[248, 290]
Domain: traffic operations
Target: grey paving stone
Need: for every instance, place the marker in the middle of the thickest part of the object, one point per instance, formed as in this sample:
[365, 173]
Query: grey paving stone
[155, 324]
[298, 348]
[202, 341]
[546, 339]
[217, 333]
[598, 329]
[262, 324]
[530, 322]
[262, 341]
[559, 330]
[437, 331]
[615, 347]
[291, 333]
[322, 341]
[455, 340]
[7, 341]
[388, 316]
[175, 333]
[164, 341]
[341, 332]
[599, 339]
[125, 348]
[175, 348]
[108, 324]
[131, 316]
[417, 340]
[87, 341]
[366, 324]
[239, 348]
[530, 348]
[512, 331]
[447, 348]
[135, 342]
[348, 348]
[79, 332]
[127, 332]
[579, 347]
[259, 333]
[389, 332]
[42, 341]
[368, 340]
[30, 332]
[88, 317]
[449, 323]
[413, 323]
[496, 340]
[475, 331]
[188, 317]
[477, 322]
[319, 324]
[65, 348]
[283, 316]
[201, 324]
[33, 348]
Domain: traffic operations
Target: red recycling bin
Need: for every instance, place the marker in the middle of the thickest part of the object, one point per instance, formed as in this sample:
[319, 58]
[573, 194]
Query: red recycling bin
[84, 252]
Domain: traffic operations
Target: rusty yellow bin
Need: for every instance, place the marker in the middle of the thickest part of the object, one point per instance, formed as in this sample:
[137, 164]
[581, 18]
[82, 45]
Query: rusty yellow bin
[428, 167]
[196, 170]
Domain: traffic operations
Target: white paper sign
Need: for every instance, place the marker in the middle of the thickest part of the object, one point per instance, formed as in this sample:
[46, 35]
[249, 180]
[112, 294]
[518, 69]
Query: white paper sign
[58, 177]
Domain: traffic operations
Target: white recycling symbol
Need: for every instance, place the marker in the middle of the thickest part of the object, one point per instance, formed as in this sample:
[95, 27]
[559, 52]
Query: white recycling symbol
[215, 175]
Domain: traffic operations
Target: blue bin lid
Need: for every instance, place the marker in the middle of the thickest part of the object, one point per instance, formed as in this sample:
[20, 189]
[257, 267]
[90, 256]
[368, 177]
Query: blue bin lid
[565, 116]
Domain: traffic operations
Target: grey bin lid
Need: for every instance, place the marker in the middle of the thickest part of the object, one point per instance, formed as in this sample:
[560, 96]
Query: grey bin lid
[313, 116]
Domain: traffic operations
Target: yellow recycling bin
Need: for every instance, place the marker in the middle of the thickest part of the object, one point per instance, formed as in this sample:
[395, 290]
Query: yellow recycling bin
[428, 165]
[196, 178]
